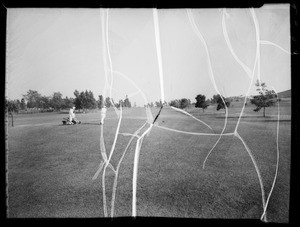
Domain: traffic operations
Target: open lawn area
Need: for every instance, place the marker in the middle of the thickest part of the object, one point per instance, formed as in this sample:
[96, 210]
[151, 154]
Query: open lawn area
[50, 165]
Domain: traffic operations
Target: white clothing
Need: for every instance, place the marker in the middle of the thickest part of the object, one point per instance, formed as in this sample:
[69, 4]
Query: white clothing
[71, 114]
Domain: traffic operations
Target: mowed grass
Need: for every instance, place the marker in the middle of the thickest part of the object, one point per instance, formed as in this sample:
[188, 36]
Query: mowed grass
[50, 166]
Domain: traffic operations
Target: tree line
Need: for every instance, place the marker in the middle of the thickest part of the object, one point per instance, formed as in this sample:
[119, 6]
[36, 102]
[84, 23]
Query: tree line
[265, 99]
[201, 102]
[83, 100]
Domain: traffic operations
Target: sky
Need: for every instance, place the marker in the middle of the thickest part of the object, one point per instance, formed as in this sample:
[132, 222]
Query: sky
[60, 49]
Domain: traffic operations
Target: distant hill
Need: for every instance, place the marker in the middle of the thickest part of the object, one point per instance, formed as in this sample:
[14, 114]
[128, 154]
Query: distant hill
[285, 94]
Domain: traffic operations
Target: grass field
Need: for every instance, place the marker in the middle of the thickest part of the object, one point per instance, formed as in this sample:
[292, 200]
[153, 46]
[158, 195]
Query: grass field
[50, 166]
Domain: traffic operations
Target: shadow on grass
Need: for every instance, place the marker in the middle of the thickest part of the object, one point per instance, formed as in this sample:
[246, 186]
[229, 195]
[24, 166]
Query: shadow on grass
[89, 123]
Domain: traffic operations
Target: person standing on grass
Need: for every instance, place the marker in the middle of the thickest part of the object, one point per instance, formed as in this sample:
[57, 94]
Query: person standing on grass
[103, 114]
[72, 114]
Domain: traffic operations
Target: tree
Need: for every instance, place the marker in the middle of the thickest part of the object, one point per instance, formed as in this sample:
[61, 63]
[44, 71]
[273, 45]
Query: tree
[45, 102]
[18, 104]
[120, 103]
[33, 99]
[126, 102]
[201, 102]
[68, 102]
[82, 97]
[12, 106]
[184, 103]
[77, 100]
[23, 105]
[220, 102]
[215, 98]
[84, 100]
[89, 100]
[264, 99]
[108, 102]
[57, 101]
[100, 102]
[175, 103]
[158, 103]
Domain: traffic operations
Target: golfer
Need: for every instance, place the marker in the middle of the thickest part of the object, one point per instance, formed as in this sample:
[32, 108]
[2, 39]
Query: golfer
[72, 114]
[103, 115]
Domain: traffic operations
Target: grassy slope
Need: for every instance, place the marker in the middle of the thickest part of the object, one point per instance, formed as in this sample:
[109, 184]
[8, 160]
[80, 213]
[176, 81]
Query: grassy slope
[51, 166]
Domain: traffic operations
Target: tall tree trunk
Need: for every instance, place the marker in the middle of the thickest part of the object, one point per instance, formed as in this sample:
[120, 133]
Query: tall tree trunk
[264, 111]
